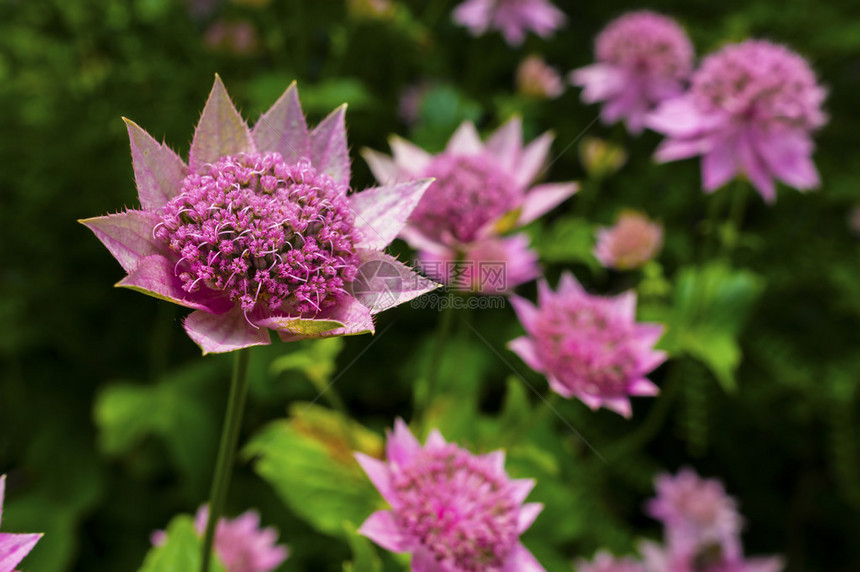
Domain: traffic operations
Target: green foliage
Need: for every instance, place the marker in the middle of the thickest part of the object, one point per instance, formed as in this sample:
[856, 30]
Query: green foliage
[709, 307]
[364, 556]
[308, 460]
[181, 550]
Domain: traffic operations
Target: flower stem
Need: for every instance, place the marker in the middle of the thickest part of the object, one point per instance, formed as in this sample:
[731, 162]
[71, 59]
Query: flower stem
[227, 450]
[442, 331]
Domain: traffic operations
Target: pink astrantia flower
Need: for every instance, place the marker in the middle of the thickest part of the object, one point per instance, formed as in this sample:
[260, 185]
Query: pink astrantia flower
[751, 110]
[694, 506]
[13, 547]
[606, 562]
[702, 528]
[631, 242]
[535, 78]
[513, 18]
[453, 510]
[643, 58]
[240, 543]
[257, 232]
[481, 190]
[589, 347]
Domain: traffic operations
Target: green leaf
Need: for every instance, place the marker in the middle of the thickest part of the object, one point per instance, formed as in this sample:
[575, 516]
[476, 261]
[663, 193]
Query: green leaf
[181, 551]
[710, 306]
[364, 556]
[314, 358]
[308, 460]
[172, 409]
[569, 239]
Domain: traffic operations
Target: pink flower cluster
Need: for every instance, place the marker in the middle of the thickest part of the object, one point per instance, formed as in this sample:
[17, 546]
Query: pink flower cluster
[751, 110]
[589, 347]
[702, 529]
[240, 543]
[453, 510]
[535, 78]
[480, 191]
[643, 58]
[256, 231]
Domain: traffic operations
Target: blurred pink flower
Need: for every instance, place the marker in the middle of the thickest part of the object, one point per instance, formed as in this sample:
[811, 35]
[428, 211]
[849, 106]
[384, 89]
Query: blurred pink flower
[702, 528]
[537, 79]
[13, 547]
[589, 347]
[631, 242]
[481, 191]
[240, 543]
[257, 231]
[751, 110]
[453, 510]
[643, 58]
[238, 37]
[606, 562]
[513, 18]
[692, 506]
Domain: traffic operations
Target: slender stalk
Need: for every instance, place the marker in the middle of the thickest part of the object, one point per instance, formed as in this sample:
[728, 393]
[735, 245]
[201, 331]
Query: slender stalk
[737, 209]
[227, 450]
[442, 331]
[658, 413]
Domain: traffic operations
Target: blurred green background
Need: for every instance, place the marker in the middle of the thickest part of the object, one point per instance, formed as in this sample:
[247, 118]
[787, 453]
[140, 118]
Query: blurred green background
[109, 418]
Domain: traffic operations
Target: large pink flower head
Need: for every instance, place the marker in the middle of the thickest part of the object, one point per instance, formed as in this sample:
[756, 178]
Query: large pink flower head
[751, 110]
[240, 543]
[257, 231]
[481, 189]
[631, 242]
[513, 18]
[643, 58]
[589, 347]
[13, 547]
[453, 510]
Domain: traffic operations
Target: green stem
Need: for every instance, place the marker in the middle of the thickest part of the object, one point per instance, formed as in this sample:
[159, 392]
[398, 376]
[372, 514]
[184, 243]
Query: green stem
[442, 332]
[657, 415]
[736, 217]
[227, 450]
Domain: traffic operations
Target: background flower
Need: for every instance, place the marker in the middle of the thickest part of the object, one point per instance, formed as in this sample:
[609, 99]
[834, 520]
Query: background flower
[480, 191]
[643, 58]
[257, 231]
[751, 110]
[240, 543]
[513, 18]
[589, 347]
[631, 242]
[535, 78]
[453, 510]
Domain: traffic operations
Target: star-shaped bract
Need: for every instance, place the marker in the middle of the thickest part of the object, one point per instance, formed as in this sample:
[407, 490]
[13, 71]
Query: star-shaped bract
[257, 231]
[13, 547]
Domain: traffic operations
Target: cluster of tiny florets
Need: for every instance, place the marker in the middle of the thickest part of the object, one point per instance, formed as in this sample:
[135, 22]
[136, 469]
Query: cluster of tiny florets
[459, 507]
[586, 345]
[763, 82]
[647, 42]
[469, 192]
[264, 232]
